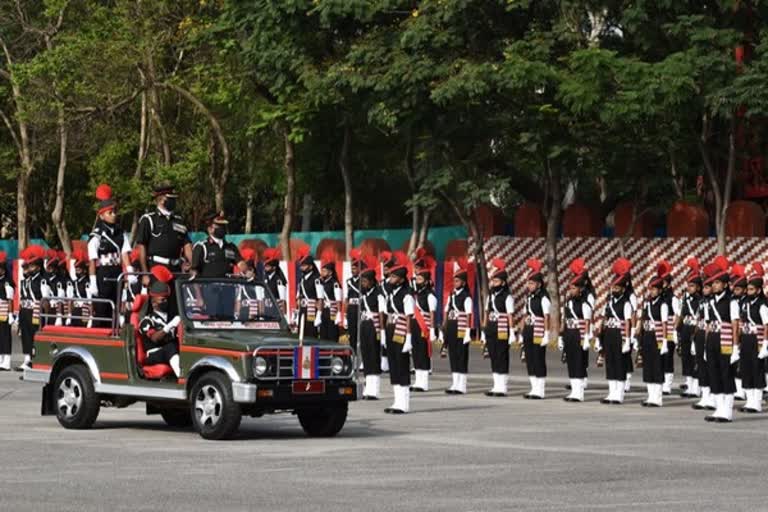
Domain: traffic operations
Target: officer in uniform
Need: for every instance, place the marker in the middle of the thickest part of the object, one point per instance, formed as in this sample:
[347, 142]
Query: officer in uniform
[722, 350]
[57, 282]
[108, 250]
[577, 315]
[79, 290]
[249, 302]
[753, 340]
[535, 334]
[372, 303]
[33, 289]
[698, 348]
[6, 313]
[399, 340]
[332, 296]
[456, 329]
[215, 256]
[423, 324]
[162, 235]
[498, 331]
[352, 300]
[274, 278]
[674, 306]
[686, 326]
[310, 293]
[616, 332]
[653, 341]
[739, 291]
[158, 327]
[385, 288]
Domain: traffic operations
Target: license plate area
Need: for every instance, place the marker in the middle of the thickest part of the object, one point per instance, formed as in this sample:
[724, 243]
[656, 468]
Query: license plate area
[308, 387]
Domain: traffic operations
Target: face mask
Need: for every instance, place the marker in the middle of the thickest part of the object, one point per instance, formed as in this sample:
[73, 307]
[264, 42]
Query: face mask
[219, 233]
[170, 203]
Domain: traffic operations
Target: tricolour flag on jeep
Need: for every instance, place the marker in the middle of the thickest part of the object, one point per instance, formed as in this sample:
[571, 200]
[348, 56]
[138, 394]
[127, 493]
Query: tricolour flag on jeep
[305, 363]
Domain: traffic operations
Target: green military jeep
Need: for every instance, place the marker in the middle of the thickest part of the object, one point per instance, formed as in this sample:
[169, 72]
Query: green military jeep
[237, 356]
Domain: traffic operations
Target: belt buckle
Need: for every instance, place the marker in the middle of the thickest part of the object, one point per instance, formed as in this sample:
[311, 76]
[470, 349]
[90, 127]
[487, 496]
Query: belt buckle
[493, 316]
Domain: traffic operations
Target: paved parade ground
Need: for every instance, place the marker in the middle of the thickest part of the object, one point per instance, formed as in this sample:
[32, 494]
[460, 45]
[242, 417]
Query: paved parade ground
[450, 454]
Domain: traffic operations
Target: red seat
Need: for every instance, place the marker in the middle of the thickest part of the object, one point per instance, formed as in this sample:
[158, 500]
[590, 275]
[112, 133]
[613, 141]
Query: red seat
[64, 329]
[152, 371]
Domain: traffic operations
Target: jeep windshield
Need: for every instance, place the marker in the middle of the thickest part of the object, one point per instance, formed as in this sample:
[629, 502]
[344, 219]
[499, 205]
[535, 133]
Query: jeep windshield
[229, 304]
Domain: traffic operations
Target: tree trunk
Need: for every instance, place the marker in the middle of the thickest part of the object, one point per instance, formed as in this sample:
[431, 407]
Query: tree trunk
[57, 216]
[721, 240]
[306, 212]
[143, 147]
[722, 197]
[424, 229]
[344, 167]
[249, 197]
[289, 167]
[410, 174]
[550, 253]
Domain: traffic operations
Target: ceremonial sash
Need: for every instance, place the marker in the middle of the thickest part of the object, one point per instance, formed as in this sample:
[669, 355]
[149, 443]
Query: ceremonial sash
[4, 310]
[538, 328]
[401, 329]
[726, 338]
[424, 323]
[334, 310]
[311, 310]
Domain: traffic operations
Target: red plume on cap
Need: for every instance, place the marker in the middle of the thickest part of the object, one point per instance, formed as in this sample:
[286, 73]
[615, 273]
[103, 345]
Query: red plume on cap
[355, 254]
[535, 265]
[756, 269]
[401, 260]
[385, 256]
[738, 270]
[103, 192]
[693, 264]
[3, 257]
[663, 269]
[269, 254]
[302, 252]
[577, 266]
[722, 263]
[135, 254]
[370, 262]
[162, 274]
[499, 268]
[249, 255]
[80, 256]
[621, 266]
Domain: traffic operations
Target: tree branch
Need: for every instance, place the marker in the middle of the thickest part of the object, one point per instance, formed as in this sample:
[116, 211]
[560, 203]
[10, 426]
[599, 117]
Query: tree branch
[8, 123]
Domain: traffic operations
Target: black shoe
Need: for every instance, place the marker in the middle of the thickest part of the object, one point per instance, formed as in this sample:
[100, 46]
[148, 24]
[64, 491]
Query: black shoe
[654, 405]
[614, 402]
[606, 401]
[418, 390]
[366, 397]
[568, 387]
[644, 403]
[490, 393]
[5, 369]
[723, 420]
[451, 392]
[698, 407]
[388, 410]
[683, 387]
[711, 408]
[739, 399]
[666, 393]
[748, 410]
[396, 411]
[710, 418]
[535, 397]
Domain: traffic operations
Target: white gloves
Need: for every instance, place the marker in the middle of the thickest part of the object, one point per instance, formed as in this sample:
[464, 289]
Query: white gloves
[440, 336]
[133, 279]
[467, 337]
[693, 349]
[560, 344]
[511, 337]
[318, 320]
[383, 339]
[664, 348]
[172, 324]
[635, 344]
[345, 324]
[585, 344]
[407, 346]
[93, 285]
[58, 321]
[68, 321]
[736, 354]
[482, 337]
[626, 346]
[545, 339]
[763, 350]
[674, 336]
[12, 319]
[520, 339]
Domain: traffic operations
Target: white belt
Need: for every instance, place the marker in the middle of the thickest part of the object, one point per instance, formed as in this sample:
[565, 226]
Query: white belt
[649, 324]
[493, 316]
[572, 323]
[689, 320]
[369, 316]
[165, 261]
[354, 302]
[109, 260]
[613, 323]
[750, 328]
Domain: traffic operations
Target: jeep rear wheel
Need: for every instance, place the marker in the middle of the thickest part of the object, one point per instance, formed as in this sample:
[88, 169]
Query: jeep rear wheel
[323, 421]
[76, 403]
[214, 413]
[178, 418]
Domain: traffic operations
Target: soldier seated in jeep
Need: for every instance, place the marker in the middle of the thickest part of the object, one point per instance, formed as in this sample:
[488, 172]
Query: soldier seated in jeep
[158, 327]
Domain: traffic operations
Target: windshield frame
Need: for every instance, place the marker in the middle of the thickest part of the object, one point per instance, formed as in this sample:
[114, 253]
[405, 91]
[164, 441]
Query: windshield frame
[191, 323]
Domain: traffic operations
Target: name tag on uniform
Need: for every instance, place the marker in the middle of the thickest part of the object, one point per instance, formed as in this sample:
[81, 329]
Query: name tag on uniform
[229, 254]
[181, 228]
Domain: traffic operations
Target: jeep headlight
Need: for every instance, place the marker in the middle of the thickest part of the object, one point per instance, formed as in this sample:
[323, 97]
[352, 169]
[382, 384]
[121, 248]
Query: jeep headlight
[337, 365]
[260, 366]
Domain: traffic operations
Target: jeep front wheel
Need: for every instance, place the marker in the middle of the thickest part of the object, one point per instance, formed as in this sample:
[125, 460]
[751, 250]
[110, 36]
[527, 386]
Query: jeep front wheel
[323, 421]
[215, 415]
[74, 398]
